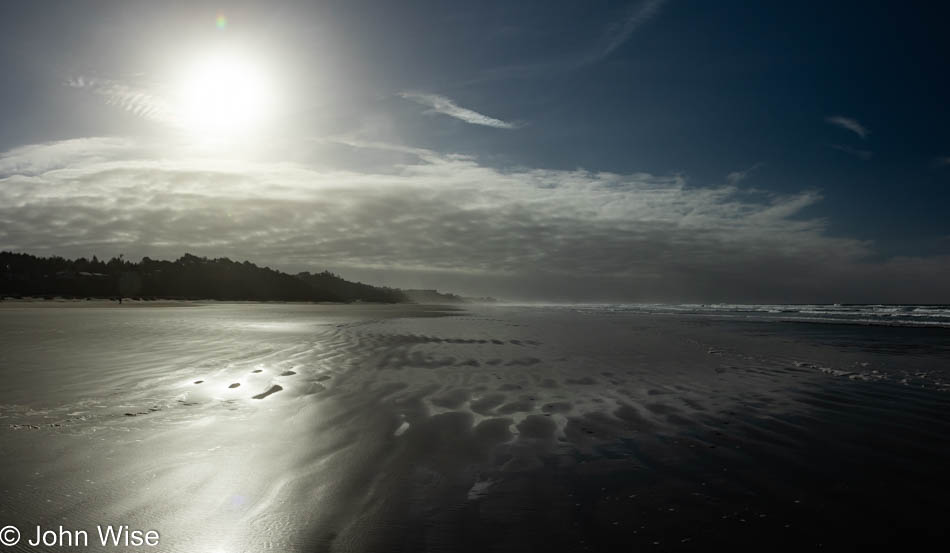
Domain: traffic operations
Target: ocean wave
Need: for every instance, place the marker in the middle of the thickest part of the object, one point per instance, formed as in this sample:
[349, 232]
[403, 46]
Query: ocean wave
[869, 314]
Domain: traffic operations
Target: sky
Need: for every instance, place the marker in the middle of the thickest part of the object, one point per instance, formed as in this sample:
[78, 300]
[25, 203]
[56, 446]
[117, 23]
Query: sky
[643, 151]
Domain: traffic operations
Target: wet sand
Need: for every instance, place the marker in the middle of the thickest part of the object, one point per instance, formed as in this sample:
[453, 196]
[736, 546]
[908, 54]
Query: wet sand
[411, 428]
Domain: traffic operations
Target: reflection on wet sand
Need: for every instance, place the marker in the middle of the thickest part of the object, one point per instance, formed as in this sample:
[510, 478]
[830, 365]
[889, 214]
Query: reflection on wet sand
[311, 428]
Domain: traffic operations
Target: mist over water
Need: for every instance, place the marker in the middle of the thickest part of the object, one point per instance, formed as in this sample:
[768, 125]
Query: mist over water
[369, 428]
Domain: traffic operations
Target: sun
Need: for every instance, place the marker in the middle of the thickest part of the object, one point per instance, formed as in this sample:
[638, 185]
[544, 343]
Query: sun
[224, 95]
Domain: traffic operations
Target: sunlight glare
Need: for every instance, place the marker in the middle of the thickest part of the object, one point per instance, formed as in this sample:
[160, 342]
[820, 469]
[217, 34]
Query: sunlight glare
[225, 95]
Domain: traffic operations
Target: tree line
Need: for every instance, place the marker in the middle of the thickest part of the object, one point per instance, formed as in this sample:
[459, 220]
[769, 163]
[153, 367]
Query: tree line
[188, 277]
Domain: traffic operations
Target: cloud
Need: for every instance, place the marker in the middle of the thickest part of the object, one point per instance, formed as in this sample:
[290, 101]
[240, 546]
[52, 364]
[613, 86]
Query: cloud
[445, 106]
[37, 159]
[863, 154]
[618, 33]
[134, 99]
[610, 38]
[449, 221]
[849, 124]
[736, 177]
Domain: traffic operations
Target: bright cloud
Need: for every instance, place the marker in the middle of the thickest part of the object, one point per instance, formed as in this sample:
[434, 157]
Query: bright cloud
[446, 218]
[445, 106]
[128, 97]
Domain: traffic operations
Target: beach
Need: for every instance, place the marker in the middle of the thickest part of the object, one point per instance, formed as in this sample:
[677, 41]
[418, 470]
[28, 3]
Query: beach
[297, 428]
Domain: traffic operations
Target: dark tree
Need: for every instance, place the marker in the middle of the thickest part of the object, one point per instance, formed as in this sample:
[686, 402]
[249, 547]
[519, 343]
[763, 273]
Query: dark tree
[189, 277]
